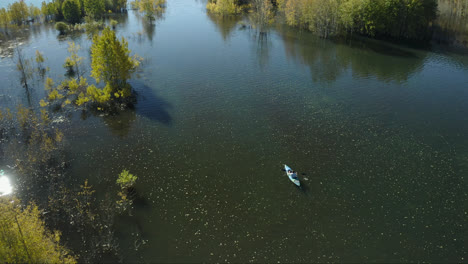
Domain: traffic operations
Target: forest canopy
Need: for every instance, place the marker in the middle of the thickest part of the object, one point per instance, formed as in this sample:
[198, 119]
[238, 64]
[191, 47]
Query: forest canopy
[396, 19]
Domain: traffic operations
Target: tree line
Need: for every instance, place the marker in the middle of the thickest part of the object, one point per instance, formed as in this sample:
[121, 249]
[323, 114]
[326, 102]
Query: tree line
[72, 11]
[396, 19]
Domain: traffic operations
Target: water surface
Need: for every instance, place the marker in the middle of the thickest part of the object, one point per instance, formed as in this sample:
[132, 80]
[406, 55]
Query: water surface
[379, 130]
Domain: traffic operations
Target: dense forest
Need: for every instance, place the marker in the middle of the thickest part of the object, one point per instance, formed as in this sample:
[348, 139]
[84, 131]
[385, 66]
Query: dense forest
[397, 19]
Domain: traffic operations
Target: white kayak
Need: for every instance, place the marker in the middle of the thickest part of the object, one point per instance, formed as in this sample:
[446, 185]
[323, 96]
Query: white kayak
[292, 175]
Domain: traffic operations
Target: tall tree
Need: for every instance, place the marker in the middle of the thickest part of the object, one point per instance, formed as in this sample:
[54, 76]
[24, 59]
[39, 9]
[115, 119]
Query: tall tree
[56, 8]
[4, 18]
[71, 11]
[18, 12]
[223, 7]
[262, 15]
[111, 62]
[94, 8]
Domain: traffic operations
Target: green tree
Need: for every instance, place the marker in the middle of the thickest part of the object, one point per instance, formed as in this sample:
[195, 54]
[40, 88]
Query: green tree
[224, 7]
[262, 15]
[126, 182]
[94, 8]
[44, 10]
[126, 179]
[113, 23]
[111, 62]
[18, 12]
[4, 18]
[152, 8]
[48, 10]
[118, 5]
[71, 11]
[24, 237]
[61, 27]
[34, 12]
[73, 62]
[56, 7]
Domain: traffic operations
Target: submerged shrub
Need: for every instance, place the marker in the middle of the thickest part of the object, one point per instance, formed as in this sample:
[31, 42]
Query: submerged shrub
[61, 27]
[113, 23]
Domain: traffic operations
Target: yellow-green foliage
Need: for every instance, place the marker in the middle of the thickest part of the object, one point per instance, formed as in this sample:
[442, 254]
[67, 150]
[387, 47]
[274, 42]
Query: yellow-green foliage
[111, 61]
[54, 95]
[24, 237]
[113, 23]
[49, 84]
[73, 86]
[320, 16]
[262, 14]
[98, 95]
[18, 12]
[61, 27]
[58, 136]
[43, 103]
[94, 8]
[39, 57]
[45, 117]
[24, 115]
[82, 99]
[126, 179]
[73, 62]
[34, 11]
[66, 89]
[391, 18]
[39, 148]
[280, 5]
[151, 8]
[49, 9]
[4, 17]
[224, 7]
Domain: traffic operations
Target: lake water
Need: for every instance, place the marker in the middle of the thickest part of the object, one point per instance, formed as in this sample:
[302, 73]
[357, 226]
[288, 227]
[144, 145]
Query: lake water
[379, 130]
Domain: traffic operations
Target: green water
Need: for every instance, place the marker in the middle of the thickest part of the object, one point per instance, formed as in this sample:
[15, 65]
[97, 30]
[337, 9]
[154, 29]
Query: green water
[379, 130]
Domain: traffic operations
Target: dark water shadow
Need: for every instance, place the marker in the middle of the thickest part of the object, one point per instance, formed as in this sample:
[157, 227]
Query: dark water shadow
[150, 105]
[145, 103]
[364, 57]
[380, 47]
[225, 25]
[262, 45]
[304, 188]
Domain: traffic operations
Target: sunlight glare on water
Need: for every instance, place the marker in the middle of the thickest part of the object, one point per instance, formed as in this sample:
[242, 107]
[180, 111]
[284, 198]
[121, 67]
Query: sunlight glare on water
[5, 186]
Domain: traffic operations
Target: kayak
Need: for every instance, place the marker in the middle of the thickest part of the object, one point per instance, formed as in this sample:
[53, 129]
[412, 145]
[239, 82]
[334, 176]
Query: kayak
[292, 176]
